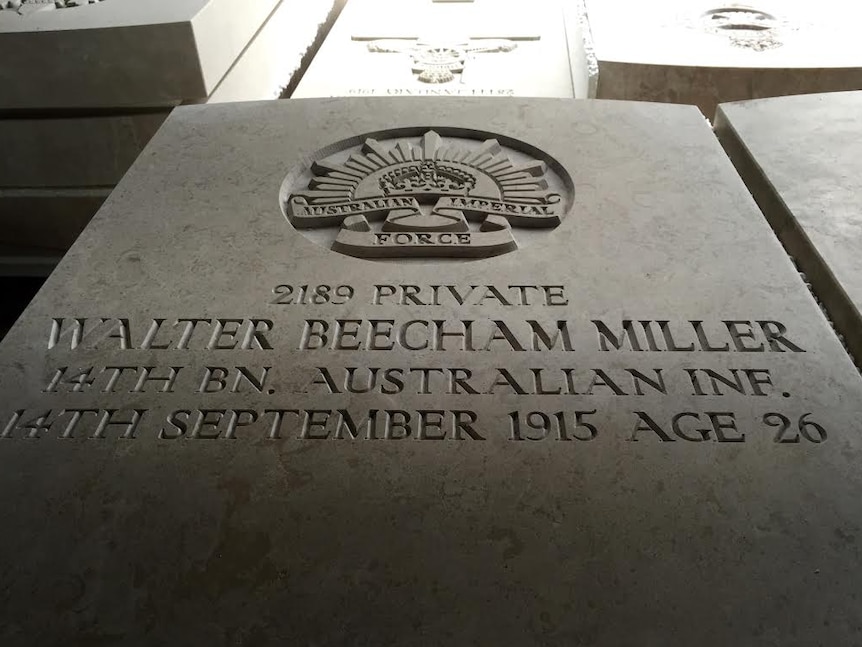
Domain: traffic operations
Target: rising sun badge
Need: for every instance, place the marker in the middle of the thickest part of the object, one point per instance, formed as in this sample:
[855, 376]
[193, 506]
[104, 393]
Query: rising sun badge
[427, 197]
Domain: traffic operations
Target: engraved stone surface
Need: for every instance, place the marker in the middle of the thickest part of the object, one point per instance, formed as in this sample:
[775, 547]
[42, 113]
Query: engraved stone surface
[745, 27]
[425, 48]
[24, 7]
[705, 53]
[425, 191]
[121, 53]
[801, 157]
[439, 61]
[638, 429]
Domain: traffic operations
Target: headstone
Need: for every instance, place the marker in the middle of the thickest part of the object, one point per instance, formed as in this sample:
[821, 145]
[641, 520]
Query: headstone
[432, 48]
[705, 53]
[801, 158]
[452, 371]
[120, 53]
[88, 83]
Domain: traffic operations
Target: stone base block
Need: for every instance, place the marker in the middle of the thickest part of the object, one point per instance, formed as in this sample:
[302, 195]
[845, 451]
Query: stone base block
[122, 53]
[73, 151]
[46, 218]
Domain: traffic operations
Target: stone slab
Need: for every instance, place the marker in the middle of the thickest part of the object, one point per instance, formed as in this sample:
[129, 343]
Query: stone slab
[122, 53]
[424, 48]
[50, 218]
[73, 151]
[706, 492]
[801, 157]
[706, 53]
[275, 58]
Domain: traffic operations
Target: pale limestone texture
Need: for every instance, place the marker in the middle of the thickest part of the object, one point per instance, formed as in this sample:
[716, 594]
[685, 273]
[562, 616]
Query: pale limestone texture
[801, 157]
[717, 535]
[705, 53]
[423, 48]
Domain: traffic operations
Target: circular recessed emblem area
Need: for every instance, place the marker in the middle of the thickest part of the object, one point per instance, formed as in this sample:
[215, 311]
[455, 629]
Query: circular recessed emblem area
[739, 18]
[744, 26]
[427, 194]
[24, 7]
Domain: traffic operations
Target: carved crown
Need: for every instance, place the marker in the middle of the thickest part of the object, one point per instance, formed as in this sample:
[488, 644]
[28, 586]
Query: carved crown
[428, 176]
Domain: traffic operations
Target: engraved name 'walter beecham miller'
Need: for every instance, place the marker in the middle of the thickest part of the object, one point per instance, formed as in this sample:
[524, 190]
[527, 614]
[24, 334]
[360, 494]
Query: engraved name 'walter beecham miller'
[400, 199]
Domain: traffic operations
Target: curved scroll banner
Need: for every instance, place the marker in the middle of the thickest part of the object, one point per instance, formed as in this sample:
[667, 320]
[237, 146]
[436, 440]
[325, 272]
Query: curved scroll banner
[408, 244]
[518, 214]
[303, 215]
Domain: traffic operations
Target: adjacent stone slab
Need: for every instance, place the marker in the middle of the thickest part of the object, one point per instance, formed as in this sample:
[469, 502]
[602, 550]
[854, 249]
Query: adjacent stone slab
[56, 171]
[274, 59]
[705, 53]
[73, 151]
[121, 53]
[801, 157]
[425, 48]
[633, 421]
[50, 218]
[58, 167]
[582, 58]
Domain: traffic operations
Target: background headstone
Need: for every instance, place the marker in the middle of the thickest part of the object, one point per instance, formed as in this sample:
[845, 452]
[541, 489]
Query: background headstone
[85, 86]
[122, 53]
[648, 432]
[424, 48]
[801, 157]
[704, 53]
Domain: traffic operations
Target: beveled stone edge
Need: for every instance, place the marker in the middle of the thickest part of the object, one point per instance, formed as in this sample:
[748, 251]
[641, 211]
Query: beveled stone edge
[582, 49]
[839, 308]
